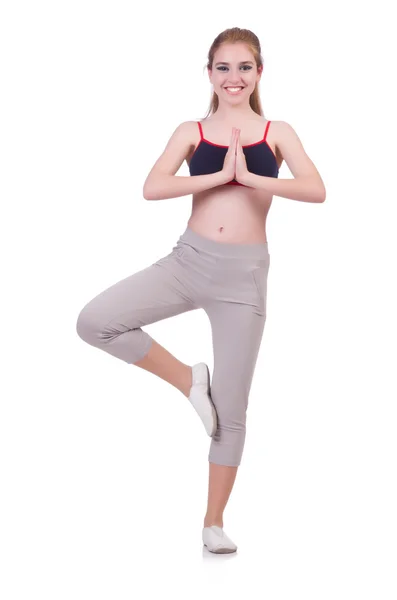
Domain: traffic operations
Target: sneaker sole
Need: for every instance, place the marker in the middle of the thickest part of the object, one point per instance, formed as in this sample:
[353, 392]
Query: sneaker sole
[214, 414]
[221, 550]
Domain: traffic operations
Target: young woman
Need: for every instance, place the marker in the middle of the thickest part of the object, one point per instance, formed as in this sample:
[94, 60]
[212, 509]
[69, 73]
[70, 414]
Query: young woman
[220, 263]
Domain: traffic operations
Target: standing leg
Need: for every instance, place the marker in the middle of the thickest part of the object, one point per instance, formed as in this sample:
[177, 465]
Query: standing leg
[237, 333]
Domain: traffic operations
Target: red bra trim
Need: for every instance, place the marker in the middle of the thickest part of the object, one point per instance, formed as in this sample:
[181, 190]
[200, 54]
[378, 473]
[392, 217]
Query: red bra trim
[203, 139]
[266, 130]
[263, 140]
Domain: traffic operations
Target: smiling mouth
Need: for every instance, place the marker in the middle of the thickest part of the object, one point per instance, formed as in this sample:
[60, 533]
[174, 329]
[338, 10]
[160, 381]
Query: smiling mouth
[234, 91]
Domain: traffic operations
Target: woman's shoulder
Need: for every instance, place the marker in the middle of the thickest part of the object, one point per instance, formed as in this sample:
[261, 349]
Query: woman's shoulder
[188, 131]
[187, 128]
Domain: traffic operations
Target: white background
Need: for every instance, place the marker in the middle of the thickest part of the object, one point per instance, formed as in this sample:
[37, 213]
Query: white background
[104, 467]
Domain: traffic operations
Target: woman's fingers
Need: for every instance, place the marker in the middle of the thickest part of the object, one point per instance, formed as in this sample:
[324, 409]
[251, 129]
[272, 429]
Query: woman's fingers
[237, 137]
[234, 139]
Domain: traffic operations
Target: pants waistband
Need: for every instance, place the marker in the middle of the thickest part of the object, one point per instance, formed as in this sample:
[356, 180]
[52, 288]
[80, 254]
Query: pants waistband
[224, 249]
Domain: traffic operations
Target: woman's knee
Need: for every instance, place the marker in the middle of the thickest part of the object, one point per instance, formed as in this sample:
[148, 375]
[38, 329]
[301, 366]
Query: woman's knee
[111, 335]
[227, 444]
[87, 325]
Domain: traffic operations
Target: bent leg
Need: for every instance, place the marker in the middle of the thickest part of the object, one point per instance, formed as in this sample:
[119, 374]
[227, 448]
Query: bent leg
[113, 320]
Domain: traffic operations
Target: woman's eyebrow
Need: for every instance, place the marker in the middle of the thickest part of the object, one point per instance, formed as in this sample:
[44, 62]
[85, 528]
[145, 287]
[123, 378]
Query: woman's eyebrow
[243, 62]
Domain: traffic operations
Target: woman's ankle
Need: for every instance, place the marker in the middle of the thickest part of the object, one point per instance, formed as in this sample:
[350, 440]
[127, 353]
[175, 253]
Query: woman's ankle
[213, 521]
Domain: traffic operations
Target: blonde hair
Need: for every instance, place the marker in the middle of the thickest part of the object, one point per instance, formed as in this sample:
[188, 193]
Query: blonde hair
[232, 36]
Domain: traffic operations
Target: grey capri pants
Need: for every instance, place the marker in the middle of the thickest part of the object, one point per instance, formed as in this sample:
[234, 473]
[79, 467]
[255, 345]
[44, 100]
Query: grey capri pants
[228, 281]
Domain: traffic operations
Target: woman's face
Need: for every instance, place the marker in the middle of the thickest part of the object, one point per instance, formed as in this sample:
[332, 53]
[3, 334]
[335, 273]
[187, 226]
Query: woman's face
[234, 66]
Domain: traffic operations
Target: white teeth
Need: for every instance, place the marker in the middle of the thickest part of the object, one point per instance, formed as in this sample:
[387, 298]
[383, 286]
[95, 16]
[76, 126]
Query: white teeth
[234, 89]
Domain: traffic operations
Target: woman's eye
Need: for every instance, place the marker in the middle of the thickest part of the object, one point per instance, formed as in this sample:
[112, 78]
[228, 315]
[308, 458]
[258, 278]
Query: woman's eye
[243, 66]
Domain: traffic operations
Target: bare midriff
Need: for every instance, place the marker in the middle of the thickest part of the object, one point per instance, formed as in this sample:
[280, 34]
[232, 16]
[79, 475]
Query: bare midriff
[231, 214]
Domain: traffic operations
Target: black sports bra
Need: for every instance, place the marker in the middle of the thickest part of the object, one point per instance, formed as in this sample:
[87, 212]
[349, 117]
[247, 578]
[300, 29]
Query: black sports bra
[209, 157]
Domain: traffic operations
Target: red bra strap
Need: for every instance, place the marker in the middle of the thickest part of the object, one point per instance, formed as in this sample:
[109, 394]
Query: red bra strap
[266, 130]
[201, 130]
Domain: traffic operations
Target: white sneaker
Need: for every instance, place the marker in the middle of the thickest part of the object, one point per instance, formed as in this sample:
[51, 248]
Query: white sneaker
[200, 397]
[217, 541]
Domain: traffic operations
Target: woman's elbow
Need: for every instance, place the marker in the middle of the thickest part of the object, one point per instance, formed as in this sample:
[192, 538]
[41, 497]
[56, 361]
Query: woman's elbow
[146, 194]
[153, 187]
[148, 191]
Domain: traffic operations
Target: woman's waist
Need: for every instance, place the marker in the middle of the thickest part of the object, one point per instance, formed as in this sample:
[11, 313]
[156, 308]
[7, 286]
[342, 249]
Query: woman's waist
[229, 226]
[207, 242]
[228, 233]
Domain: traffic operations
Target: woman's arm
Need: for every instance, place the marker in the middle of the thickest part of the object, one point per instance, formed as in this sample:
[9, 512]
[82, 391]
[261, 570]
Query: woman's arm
[307, 184]
[162, 183]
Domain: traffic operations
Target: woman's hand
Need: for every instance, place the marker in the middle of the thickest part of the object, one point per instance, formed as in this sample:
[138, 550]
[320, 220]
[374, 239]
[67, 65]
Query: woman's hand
[229, 164]
[241, 163]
